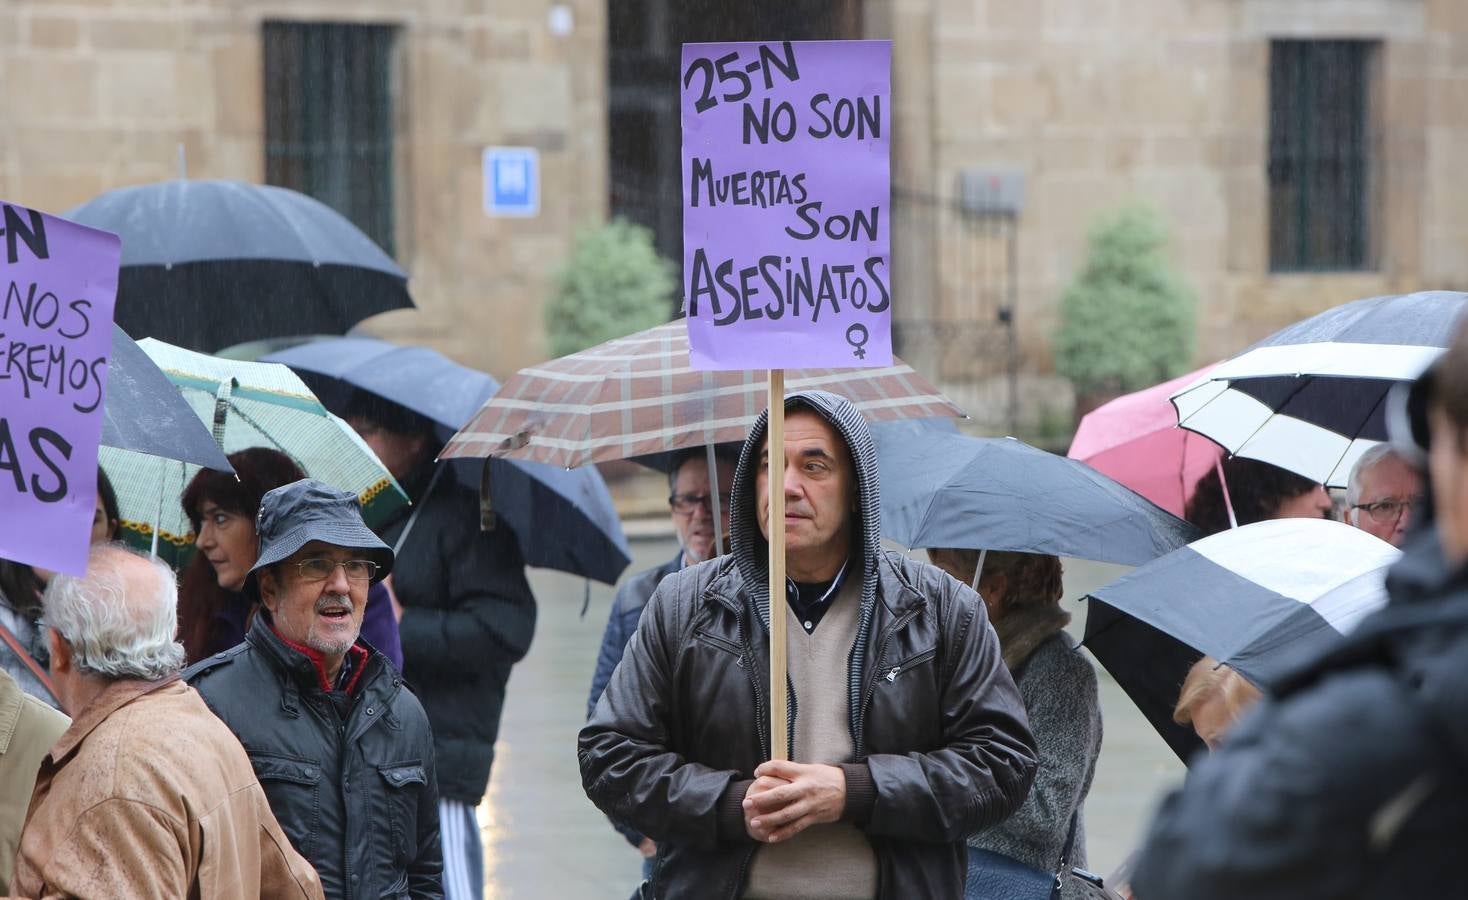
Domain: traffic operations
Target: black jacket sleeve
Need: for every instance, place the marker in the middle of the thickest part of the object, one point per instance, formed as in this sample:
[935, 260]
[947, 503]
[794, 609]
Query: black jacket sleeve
[626, 766]
[425, 872]
[1297, 803]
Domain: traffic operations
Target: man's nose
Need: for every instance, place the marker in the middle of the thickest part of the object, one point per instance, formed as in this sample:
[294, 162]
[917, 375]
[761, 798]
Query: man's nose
[336, 582]
[794, 484]
[1404, 519]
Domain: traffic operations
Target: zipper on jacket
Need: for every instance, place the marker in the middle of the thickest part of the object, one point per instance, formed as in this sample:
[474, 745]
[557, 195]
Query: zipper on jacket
[910, 664]
[866, 702]
[762, 727]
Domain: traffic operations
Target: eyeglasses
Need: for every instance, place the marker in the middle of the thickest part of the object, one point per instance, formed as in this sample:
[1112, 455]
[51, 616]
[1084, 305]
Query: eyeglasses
[320, 568]
[687, 503]
[1384, 512]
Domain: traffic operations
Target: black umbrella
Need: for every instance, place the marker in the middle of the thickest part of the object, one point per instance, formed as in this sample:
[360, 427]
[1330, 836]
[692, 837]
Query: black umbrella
[1259, 598]
[951, 490]
[208, 264]
[1311, 397]
[563, 518]
[145, 413]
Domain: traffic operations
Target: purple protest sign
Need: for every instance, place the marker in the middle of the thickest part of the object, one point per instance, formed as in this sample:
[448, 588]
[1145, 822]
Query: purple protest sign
[786, 204]
[58, 284]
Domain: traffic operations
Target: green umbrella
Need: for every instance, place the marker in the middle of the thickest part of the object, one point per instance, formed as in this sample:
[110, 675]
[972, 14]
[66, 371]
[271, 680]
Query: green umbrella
[247, 404]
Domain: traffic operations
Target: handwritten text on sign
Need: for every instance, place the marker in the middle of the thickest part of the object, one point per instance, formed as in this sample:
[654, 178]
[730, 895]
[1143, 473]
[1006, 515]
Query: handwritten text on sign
[58, 283]
[786, 204]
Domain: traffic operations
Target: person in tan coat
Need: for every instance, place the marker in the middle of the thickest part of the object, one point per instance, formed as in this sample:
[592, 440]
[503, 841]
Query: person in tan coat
[147, 794]
[28, 728]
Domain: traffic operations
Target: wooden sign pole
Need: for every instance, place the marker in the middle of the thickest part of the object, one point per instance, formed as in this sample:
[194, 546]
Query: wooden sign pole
[775, 483]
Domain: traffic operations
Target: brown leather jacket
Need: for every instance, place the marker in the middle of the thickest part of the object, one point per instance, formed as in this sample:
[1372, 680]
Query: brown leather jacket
[147, 794]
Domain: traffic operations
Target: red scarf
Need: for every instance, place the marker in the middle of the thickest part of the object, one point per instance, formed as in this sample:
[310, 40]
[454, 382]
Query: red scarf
[356, 651]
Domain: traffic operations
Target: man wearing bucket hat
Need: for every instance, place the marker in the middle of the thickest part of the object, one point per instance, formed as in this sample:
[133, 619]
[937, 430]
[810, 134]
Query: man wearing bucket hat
[341, 746]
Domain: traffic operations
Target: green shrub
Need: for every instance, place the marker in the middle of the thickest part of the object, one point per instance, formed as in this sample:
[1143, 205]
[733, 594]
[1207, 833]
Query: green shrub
[1127, 320]
[613, 284]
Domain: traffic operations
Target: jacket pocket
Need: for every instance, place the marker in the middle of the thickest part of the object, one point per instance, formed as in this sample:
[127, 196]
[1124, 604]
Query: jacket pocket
[722, 643]
[293, 787]
[891, 673]
[403, 786]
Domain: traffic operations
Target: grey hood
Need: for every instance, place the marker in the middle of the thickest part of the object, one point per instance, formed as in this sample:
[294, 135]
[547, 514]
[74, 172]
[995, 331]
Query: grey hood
[751, 551]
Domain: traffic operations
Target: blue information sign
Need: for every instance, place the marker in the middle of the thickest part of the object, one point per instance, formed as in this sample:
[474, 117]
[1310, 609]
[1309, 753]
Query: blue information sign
[511, 181]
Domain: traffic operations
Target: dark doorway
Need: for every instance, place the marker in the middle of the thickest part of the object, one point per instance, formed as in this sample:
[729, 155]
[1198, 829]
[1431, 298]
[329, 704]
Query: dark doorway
[645, 40]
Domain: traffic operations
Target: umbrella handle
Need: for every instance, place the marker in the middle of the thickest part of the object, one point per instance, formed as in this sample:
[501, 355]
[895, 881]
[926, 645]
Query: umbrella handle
[1228, 503]
[979, 569]
[221, 409]
[488, 519]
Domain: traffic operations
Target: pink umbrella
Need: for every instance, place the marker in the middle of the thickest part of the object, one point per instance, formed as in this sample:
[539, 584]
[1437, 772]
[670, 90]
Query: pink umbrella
[1135, 439]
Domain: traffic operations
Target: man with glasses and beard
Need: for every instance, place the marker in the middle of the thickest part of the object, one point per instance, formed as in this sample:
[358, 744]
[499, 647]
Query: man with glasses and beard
[341, 746]
[690, 503]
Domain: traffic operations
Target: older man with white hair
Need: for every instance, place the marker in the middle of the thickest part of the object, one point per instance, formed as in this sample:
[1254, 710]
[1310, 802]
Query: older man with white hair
[146, 794]
[1381, 494]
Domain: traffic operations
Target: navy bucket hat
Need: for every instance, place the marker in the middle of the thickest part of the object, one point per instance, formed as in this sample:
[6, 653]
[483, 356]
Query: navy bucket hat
[295, 514]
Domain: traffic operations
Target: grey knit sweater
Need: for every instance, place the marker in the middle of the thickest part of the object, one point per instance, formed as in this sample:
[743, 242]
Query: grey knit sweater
[1059, 690]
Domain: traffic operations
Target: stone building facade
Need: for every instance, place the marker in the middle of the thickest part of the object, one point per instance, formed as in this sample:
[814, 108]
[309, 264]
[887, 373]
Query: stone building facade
[99, 94]
[1103, 102]
[1087, 104]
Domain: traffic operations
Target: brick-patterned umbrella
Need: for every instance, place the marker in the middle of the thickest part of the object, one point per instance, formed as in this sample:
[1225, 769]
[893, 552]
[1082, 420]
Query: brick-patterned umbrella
[638, 395]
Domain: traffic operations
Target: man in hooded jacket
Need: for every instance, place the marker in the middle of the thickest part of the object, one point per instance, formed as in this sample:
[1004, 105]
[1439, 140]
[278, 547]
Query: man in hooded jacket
[907, 733]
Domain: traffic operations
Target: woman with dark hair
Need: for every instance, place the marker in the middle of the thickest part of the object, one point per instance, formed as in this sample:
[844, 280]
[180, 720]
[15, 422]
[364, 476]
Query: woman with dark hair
[1021, 593]
[105, 519]
[1257, 491]
[214, 612]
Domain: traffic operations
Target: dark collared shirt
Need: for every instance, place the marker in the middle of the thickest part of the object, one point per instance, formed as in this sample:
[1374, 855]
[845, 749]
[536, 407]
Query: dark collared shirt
[810, 600]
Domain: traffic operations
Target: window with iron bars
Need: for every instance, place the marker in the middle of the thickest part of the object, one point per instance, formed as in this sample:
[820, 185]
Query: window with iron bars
[1320, 159]
[329, 118]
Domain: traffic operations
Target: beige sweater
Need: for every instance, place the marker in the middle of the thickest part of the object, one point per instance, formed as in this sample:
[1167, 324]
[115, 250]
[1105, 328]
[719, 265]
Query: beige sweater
[824, 861]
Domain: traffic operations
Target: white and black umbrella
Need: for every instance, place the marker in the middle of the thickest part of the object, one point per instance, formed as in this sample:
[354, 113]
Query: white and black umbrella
[1311, 398]
[1258, 598]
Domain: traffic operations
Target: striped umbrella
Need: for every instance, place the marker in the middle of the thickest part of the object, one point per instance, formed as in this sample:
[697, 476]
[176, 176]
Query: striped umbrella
[246, 404]
[638, 395]
[1259, 598]
[1311, 398]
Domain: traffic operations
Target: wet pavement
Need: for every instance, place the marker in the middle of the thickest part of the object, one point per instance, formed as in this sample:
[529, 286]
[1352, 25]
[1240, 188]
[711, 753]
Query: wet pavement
[544, 839]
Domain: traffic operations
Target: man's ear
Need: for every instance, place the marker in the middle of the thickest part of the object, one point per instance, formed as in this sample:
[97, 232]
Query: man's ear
[269, 588]
[60, 651]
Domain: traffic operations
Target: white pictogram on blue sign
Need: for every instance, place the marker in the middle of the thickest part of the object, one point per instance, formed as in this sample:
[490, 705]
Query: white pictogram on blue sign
[511, 181]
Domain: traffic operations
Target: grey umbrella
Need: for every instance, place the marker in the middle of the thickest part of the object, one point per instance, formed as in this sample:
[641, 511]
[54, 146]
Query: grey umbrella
[952, 490]
[145, 413]
[209, 264]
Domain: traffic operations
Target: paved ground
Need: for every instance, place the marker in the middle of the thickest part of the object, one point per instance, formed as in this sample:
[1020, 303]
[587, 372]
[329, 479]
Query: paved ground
[544, 839]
